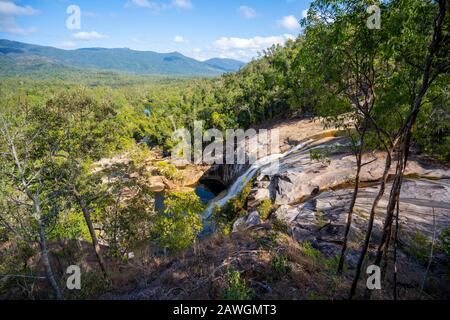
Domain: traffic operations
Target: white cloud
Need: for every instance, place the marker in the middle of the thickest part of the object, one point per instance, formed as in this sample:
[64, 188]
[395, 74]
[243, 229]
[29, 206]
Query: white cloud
[244, 49]
[225, 43]
[10, 8]
[182, 4]
[8, 24]
[247, 12]
[141, 4]
[150, 4]
[180, 39]
[8, 12]
[290, 23]
[93, 35]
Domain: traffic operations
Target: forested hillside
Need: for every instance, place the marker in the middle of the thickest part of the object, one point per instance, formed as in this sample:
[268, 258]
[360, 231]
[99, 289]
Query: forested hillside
[80, 150]
[25, 59]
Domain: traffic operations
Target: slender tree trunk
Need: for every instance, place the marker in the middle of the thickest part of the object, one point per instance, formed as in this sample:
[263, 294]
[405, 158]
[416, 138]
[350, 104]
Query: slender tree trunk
[353, 201]
[370, 226]
[43, 244]
[95, 244]
[386, 253]
[411, 120]
[387, 228]
[388, 231]
[45, 258]
[397, 225]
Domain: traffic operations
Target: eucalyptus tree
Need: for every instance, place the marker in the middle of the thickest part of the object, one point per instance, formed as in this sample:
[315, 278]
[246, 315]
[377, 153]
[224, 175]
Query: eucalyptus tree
[342, 73]
[29, 203]
[423, 53]
[83, 130]
[49, 147]
[380, 78]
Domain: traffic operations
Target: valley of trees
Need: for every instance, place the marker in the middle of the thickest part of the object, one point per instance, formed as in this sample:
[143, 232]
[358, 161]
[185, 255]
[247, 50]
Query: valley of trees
[387, 88]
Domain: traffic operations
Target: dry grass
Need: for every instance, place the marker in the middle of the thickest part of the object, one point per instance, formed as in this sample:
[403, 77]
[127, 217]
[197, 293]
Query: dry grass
[202, 272]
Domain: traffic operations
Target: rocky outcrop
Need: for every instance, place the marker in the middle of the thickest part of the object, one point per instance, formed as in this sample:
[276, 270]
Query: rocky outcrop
[244, 223]
[290, 134]
[223, 174]
[300, 178]
[424, 209]
[312, 196]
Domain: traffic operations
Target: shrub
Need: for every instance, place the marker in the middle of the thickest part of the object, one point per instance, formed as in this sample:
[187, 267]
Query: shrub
[237, 289]
[419, 247]
[269, 241]
[12, 259]
[310, 251]
[232, 210]
[280, 265]
[265, 209]
[181, 223]
[92, 284]
[445, 241]
[168, 170]
[70, 225]
[318, 156]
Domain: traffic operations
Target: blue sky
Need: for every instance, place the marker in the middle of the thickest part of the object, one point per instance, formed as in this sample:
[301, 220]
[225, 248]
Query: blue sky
[197, 28]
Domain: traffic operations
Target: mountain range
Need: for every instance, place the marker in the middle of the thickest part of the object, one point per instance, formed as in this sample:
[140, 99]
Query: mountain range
[17, 58]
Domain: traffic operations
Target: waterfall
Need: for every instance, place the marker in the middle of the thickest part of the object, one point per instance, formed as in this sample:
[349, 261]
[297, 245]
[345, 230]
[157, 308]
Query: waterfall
[263, 163]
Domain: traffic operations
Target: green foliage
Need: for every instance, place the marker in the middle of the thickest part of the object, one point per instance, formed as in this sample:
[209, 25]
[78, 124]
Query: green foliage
[168, 170]
[64, 120]
[93, 284]
[419, 247]
[235, 208]
[127, 225]
[445, 241]
[236, 289]
[181, 223]
[265, 208]
[320, 156]
[14, 259]
[269, 240]
[311, 252]
[433, 129]
[70, 225]
[320, 220]
[280, 265]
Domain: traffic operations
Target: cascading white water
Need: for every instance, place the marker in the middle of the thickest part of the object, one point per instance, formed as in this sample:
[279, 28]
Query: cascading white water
[238, 185]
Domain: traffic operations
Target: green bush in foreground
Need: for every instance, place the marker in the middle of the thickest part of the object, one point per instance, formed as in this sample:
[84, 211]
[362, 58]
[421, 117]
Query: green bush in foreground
[237, 289]
[181, 223]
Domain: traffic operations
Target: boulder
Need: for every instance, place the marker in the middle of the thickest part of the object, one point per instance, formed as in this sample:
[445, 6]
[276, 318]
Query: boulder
[257, 196]
[157, 184]
[286, 213]
[181, 163]
[244, 223]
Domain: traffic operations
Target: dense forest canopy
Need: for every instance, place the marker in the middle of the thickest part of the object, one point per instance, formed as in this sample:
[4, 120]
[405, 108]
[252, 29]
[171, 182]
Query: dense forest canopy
[53, 129]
